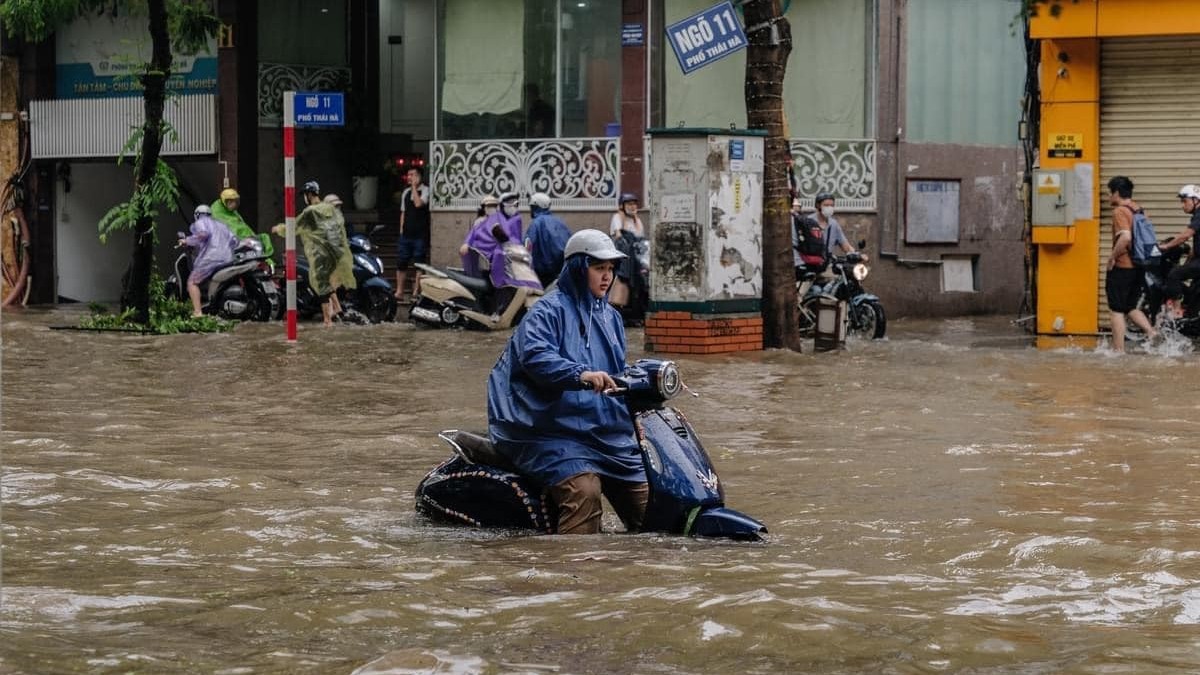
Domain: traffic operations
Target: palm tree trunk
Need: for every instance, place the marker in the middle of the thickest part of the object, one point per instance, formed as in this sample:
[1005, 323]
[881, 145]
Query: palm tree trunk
[770, 38]
[137, 288]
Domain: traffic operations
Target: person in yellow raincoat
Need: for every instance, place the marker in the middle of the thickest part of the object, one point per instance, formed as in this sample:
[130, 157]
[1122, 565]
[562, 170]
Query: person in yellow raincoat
[343, 276]
[314, 225]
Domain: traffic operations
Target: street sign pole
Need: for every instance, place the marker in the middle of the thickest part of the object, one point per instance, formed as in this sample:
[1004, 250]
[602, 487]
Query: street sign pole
[289, 207]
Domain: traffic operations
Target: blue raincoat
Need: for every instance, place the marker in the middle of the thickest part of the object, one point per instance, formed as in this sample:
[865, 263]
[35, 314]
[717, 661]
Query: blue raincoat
[537, 416]
[546, 238]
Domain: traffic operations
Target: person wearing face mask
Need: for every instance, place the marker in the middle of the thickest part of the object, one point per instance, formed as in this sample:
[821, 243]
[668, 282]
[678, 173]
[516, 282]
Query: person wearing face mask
[487, 236]
[546, 409]
[834, 236]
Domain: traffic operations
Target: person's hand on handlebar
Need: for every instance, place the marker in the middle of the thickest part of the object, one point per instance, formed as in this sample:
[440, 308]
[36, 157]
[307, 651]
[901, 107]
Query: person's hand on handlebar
[597, 380]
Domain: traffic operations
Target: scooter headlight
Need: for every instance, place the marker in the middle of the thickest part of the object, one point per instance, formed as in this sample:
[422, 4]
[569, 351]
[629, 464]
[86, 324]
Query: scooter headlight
[861, 271]
[669, 382]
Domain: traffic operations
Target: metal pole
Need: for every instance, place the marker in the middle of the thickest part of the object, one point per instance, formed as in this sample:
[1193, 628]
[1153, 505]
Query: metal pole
[289, 207]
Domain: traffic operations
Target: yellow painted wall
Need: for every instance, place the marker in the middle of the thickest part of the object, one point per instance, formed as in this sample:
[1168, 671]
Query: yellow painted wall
[1118, 18]
[1068, 272]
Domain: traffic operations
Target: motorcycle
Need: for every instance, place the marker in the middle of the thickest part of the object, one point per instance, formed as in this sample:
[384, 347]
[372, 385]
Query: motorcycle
[864, 315]
[1154, 298]
[374, 297]
[371, 302]
[478, 486]
[240, 290]
[452, 298]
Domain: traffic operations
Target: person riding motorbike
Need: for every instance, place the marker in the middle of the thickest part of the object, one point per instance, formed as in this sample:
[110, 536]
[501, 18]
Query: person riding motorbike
[487, 237]
[213, 244]
[631, 291]
[225, 210]
[546, 409]
[546, 239]
[1189, 200]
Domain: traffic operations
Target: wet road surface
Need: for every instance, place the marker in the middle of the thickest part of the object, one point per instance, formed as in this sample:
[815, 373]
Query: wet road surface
[947, 500]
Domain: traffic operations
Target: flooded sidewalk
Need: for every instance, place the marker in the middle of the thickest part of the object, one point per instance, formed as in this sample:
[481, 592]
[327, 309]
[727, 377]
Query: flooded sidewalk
[950, 499]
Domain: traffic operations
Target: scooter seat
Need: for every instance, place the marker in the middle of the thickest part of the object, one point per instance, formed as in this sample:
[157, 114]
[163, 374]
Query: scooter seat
[479, 450]
[478, 287]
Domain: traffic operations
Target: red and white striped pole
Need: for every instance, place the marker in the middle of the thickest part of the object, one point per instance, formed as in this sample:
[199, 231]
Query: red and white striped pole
[289, 207]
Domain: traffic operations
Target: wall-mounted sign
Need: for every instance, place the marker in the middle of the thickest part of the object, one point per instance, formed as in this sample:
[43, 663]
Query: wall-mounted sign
[931, 211]
[737, 155]
[320, 109]
[1049, 183]
[1066, 146]
[706, 37]
[633, 35]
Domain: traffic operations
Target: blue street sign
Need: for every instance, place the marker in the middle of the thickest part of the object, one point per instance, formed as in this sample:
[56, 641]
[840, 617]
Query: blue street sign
[320, 109]
[737, 150]
[633, 35]
[708, 36]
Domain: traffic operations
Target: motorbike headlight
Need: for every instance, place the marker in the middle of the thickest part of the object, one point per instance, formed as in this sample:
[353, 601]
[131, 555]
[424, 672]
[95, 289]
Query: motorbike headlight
[669, 382]
[861, 271]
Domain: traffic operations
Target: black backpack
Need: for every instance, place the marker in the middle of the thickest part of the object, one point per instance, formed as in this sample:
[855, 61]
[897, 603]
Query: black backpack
[811, 239]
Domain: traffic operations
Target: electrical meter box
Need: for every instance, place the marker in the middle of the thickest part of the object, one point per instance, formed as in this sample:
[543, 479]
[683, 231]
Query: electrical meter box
[705, 211]
[1052, 197]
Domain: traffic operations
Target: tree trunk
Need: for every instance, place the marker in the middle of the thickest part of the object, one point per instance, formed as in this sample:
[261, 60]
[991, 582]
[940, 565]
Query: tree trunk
[770, 37]
[137, 287]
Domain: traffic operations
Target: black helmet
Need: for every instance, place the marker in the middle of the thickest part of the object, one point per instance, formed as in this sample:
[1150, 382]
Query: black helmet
[312, 187]
[822, 196]
[626, 197]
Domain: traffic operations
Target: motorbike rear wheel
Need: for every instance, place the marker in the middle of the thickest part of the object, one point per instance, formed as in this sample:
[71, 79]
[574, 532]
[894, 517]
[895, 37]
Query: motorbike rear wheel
[868, 320]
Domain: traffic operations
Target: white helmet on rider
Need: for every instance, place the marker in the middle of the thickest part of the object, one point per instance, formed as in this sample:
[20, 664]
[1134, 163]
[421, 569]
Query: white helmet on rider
[201, 210]
[593, 244]
[540, 200]
[1189, 191]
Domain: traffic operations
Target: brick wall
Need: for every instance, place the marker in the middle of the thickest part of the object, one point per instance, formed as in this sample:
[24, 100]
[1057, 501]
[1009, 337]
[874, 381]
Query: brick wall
[690, 333]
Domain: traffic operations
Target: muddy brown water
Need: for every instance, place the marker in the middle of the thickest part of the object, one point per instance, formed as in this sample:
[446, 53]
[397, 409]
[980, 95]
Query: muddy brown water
[948, 500]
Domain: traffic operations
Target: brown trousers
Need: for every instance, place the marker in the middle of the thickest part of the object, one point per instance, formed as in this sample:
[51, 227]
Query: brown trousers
[579, 506]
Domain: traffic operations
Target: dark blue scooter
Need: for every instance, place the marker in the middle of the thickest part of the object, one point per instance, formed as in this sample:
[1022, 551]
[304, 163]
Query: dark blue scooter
[478, 486]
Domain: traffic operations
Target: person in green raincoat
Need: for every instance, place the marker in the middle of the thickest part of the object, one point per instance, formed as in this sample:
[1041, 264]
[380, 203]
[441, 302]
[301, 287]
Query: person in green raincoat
[313, 226]
[225, 211]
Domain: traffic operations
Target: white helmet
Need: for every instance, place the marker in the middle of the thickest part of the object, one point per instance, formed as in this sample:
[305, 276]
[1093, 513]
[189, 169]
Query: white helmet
[592, 243]
[1189, 191]
[201, 210]
[540, 199]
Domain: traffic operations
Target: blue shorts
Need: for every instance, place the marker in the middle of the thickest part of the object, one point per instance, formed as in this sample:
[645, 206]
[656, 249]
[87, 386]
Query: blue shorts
[411, 250]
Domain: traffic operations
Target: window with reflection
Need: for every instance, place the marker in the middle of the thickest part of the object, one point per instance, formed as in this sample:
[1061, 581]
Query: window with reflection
[502, 64]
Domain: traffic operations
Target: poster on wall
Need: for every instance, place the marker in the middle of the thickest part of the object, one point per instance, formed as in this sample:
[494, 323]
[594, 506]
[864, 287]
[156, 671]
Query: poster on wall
[95, 56]
[931, 212]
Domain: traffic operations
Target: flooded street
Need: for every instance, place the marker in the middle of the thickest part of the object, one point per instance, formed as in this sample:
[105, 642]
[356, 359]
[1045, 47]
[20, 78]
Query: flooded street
[947, 500]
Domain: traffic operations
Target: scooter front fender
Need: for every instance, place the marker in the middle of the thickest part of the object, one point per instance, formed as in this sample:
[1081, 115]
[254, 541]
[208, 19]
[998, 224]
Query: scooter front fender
[376, 282]
[863, 297]
[719, 521]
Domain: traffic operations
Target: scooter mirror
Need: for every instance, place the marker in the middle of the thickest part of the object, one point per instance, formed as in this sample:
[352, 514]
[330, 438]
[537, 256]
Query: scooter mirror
[180, 235]
[862, 243]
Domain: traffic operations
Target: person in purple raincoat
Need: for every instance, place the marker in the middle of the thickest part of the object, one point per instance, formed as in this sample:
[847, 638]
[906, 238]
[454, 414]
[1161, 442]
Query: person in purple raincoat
[487, 238]
[213, 244]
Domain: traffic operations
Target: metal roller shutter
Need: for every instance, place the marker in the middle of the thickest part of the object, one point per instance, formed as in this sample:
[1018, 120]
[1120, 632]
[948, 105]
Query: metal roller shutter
[1149, 130]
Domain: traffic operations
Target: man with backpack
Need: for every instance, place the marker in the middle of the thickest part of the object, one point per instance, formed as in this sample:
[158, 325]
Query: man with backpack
[1189, 199]
[1125, 281]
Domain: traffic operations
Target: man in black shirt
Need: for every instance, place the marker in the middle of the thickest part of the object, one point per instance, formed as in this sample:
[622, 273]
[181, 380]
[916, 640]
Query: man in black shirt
[413, 245]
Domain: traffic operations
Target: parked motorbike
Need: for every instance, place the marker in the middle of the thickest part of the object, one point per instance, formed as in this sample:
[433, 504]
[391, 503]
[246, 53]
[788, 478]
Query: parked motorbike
[478, 486]
[374, 297]
[864, 315]
[449, 297]
[241, 290]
